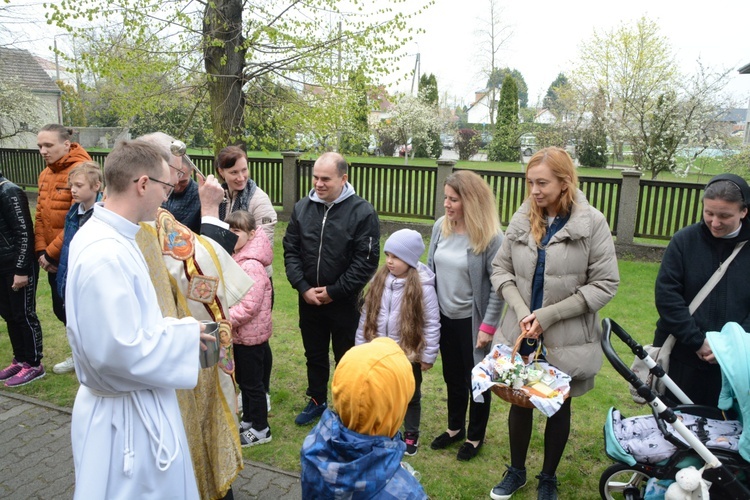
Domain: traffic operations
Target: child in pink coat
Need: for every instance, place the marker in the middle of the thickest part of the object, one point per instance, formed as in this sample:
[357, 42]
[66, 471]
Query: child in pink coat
[252, 327]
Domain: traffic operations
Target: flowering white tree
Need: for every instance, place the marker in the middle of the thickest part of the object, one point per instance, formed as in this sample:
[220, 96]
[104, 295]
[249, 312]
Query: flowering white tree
[630, 66]
[412, 119]
[648, 103]
[18, 108]
[683, 119]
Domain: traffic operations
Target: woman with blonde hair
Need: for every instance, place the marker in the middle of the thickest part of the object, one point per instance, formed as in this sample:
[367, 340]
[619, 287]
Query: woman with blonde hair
[462, 247]
[555, 269]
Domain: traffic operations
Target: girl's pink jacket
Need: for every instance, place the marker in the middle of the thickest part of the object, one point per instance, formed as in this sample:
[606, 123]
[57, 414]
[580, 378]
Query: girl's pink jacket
[251, 318]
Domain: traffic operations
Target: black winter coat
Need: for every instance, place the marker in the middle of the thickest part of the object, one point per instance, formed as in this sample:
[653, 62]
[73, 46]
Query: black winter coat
[336, 247]
[16, 231]
[693, 255]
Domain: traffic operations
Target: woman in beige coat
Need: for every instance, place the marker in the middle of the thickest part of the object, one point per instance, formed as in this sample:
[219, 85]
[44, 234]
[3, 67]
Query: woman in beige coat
[556, 268]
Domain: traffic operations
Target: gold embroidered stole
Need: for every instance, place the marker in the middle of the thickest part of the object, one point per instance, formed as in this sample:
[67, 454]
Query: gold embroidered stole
[209, 424]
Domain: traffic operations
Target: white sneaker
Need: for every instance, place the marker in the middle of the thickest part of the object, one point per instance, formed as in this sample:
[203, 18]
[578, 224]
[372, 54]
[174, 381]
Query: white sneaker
[66, 366]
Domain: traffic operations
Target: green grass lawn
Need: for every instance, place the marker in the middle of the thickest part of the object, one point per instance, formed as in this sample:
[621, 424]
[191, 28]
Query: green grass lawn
[443, 476]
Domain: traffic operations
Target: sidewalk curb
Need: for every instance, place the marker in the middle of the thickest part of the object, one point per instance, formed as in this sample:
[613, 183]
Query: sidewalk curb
[35, 401]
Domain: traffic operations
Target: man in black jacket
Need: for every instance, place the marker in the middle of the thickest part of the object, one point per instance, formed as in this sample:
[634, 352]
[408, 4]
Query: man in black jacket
[19, 271]
[331, 250]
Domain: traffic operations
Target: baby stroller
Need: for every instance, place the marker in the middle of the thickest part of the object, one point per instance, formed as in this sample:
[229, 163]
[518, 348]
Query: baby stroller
[671, 439]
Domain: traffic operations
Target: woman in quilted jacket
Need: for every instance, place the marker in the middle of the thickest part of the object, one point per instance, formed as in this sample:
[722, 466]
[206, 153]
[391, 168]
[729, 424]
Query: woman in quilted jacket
[252, 327]
[555, 269]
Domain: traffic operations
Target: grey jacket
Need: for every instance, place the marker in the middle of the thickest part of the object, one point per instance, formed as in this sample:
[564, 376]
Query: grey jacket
[488, 306]
[580, 277]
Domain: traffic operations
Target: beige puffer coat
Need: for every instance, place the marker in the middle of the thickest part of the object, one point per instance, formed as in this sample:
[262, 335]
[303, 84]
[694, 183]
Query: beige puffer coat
[580, 277]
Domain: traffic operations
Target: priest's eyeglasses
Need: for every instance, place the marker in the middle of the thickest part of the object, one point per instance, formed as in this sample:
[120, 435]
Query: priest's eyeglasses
[167, 192]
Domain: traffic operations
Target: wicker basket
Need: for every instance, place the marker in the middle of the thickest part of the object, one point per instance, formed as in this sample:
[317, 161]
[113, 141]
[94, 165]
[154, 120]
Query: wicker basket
[513, 396]
[518, 397]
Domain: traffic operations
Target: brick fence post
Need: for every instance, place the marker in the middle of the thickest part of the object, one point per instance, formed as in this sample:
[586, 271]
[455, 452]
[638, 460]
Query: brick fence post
[628, 209]
[290, 186]
[444, 169]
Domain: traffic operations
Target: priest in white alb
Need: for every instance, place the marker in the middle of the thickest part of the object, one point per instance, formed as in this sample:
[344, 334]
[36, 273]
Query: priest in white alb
[127, 434]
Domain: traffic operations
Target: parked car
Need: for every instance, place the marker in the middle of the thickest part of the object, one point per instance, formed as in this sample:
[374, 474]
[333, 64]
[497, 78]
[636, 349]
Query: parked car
[485, 140]
[405, 149]
[528, 144]
[448, 140]
[372, 147]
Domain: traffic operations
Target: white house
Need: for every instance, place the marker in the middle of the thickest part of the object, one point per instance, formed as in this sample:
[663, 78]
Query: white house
[545, 116]
[18, 67]
[479, 111]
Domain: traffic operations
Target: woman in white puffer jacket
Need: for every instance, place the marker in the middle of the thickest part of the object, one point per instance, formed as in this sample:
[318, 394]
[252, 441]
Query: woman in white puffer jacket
[401, 303]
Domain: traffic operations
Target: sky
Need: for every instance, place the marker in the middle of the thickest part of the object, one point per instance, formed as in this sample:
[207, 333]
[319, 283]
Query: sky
[547, 35]
[545, 39]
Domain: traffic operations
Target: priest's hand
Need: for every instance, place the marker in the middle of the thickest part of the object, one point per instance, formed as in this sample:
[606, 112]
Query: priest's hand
[211, 195]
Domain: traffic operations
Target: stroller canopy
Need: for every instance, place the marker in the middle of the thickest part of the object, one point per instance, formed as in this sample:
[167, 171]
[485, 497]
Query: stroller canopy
[731, 346]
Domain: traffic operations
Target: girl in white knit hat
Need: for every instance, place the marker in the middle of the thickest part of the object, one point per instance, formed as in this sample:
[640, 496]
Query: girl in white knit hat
[401, 303]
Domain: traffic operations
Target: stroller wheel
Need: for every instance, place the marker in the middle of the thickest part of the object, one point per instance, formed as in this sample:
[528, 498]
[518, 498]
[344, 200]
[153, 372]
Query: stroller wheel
[621, 481]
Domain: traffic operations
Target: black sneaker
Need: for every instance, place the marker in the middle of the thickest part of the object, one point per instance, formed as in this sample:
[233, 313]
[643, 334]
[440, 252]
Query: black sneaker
[312, 411]
[412, 443]
[249, 438]
[444, 440]
[513, 480]
[547, 489]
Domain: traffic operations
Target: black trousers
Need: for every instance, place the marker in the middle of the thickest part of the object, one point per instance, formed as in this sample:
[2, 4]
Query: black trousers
[414, 410]
[457, 352]
[18, 309]
[250, 369]
[321, 326]
[58, 302]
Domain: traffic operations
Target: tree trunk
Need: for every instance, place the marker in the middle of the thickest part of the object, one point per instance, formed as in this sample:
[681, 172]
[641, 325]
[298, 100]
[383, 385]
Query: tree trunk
[224, 59]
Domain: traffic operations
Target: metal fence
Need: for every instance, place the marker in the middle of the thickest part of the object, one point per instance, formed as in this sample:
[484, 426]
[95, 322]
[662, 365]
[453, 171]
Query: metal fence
[410, 192]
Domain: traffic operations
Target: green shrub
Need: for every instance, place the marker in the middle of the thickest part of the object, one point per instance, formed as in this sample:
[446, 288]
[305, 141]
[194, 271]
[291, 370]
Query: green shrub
[467, 143]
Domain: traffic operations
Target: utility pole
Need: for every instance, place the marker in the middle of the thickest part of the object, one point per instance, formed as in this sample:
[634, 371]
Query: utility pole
[415, 75]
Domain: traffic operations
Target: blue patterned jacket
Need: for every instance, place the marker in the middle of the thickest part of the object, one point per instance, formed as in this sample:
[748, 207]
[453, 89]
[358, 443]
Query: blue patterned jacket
[340, 463]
